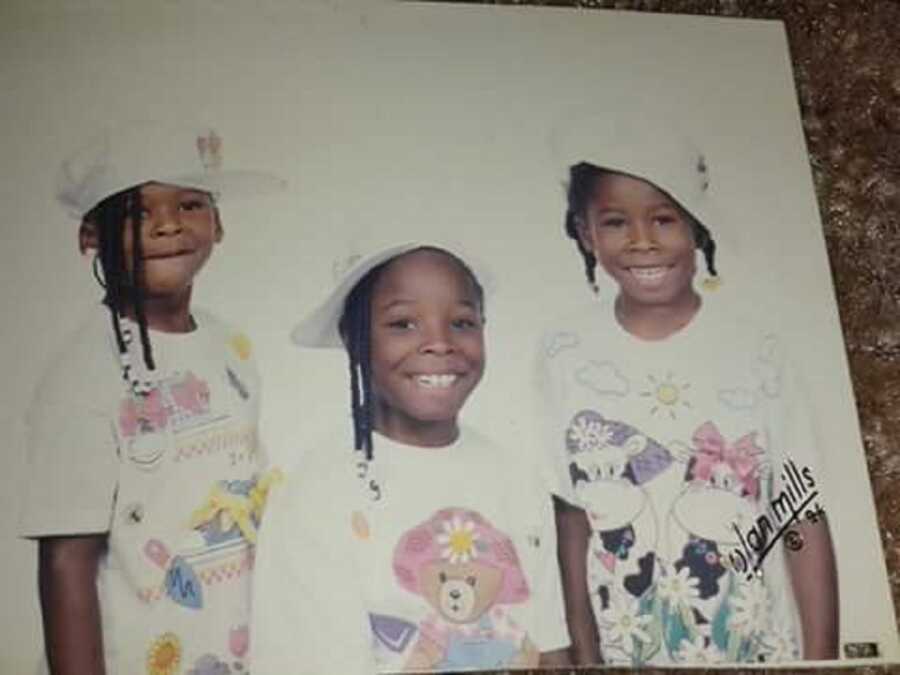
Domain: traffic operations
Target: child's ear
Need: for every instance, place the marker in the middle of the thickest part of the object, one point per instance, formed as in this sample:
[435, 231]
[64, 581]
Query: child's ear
[87, 237]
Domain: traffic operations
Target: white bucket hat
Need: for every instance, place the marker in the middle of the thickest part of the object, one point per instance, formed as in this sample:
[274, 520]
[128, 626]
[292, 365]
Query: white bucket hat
[131, 154]
[642, 146]
[319, 328]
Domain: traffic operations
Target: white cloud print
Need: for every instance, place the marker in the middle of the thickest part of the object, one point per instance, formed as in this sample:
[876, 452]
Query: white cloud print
[554, 344]
[603, 378]
[740, 398]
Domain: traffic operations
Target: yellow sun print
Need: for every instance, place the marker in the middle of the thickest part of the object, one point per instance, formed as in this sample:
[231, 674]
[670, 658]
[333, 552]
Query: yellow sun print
[666, 395]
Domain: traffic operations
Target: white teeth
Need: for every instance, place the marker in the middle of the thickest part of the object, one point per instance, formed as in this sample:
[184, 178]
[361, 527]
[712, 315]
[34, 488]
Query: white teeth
[436, 381]
[649, 274]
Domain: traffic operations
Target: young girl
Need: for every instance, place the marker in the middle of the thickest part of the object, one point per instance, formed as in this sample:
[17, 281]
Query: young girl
[424, 550]
[143, 485]
[685, 455]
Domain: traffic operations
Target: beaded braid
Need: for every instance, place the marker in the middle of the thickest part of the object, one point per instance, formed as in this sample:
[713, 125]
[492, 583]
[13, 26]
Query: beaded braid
[355, 327]
[109, 218]
[137, 265]
[109, 256]
[582, 181]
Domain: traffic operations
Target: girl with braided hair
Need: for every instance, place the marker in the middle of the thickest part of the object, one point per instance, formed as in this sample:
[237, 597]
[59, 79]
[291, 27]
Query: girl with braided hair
[677, 427]
[423, 545]
[144, 485]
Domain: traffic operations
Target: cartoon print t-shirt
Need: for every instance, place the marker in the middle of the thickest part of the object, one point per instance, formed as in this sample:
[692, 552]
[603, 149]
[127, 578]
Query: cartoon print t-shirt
[688, 455]
[172, 477]
[429, 559]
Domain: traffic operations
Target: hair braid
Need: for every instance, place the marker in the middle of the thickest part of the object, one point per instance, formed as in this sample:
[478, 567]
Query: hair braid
[582, 178]
[707, 244]
[364, 361]
[355, 327]
[109, 218]
[137, 266]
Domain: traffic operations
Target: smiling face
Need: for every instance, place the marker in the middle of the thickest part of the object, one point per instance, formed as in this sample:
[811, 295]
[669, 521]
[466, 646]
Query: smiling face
[642, 240]
[180, 226]
[427, 347]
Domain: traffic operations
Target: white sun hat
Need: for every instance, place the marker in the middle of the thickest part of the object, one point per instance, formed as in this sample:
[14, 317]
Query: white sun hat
[319, 328]
[643, 145]
[127, 155]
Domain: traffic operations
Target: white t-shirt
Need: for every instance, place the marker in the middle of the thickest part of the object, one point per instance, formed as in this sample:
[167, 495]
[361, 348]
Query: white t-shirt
[435, 558]
[677, 450]
[171, 478]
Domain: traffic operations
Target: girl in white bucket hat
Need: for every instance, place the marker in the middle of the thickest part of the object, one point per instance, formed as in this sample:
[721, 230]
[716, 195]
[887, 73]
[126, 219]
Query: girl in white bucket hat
[144, 484]
[678, 429]
[418, 545]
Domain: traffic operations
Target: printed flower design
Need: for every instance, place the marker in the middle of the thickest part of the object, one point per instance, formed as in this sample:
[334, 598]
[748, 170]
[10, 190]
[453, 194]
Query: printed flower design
[589, 434]
[458, 539]
[751, 608]
[698, 652]
[624, 623]
[164, 655]
[679, 588]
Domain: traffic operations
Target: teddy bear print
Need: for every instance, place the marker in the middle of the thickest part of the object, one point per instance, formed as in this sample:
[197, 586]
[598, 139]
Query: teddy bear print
[467, 572]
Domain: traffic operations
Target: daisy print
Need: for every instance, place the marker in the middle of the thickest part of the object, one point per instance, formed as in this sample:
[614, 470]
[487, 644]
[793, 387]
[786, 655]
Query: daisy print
[459, 541]
[679, 588]
[589, 435]
[624, 624]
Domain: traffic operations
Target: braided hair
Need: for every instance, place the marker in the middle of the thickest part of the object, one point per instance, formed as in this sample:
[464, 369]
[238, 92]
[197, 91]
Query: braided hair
[109, 218]
[582, 182]
[355, 327]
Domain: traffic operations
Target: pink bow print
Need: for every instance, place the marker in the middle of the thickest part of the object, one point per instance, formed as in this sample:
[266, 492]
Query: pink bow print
[742, 456]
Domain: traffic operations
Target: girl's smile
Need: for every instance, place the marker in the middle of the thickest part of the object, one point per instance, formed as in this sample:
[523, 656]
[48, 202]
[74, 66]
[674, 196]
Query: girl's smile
[437, 380]
[427, 347]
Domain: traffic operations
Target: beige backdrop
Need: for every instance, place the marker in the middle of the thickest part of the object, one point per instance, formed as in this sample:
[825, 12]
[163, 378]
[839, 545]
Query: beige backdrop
[419, 119]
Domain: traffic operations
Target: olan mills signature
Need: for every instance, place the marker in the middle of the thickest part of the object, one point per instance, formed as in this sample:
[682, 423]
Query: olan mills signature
[796, 500]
